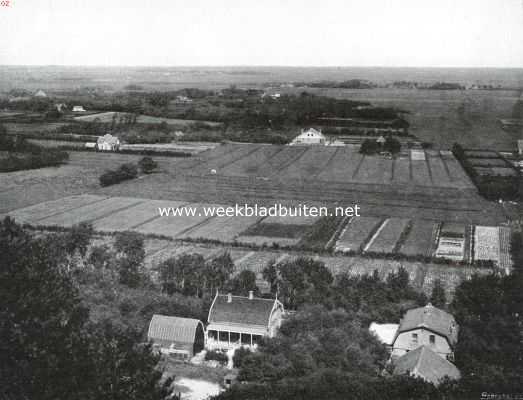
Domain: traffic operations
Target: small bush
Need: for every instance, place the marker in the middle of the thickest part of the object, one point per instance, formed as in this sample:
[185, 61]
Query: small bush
[147, 165]
[213, 355]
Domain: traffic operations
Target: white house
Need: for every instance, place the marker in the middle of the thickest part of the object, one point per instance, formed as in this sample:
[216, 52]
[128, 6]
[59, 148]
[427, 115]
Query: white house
[236, 321]
[309, 137]
[40, 93]
[520, 147]
[426, 326]
[78, 109]
[108, 143]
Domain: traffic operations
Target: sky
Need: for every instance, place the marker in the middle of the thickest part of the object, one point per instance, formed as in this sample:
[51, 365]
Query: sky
[416, 33]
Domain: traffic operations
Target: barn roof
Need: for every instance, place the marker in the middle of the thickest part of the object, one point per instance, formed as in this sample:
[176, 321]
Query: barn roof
[425, 363]
[432, 318]
[241, 310]
[175, 329]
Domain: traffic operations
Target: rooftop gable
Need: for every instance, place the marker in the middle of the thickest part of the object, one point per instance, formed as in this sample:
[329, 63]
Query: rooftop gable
[241, 310]
[425, 363]
[433, 319]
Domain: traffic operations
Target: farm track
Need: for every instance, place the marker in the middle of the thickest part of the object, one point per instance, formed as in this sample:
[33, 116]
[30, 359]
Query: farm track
[358, 167]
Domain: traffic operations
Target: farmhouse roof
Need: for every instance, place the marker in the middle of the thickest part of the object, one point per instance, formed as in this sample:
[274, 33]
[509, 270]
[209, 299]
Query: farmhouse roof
[107, 138]
[176, 329]
[241, 310]
[431, 318]
[40, 93]
[425, 363]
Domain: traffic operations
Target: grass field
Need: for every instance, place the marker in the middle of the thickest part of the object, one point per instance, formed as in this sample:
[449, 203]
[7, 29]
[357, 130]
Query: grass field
[356, 233]
[421, 238]
[387, 238]
[141, 119]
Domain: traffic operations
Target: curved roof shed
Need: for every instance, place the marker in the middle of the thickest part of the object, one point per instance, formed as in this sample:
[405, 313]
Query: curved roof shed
[185, 334]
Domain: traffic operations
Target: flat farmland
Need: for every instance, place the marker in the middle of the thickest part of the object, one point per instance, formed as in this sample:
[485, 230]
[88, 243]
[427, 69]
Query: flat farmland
[356, 233]
[389, 235]
[420, 239]
[132, 217]
[221, 228]
[141, 119]
[343, 166]
[174, 226]
[37, 212]
[90, 212]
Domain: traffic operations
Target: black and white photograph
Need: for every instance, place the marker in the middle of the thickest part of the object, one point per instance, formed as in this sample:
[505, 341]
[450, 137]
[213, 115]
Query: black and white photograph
[261, 200]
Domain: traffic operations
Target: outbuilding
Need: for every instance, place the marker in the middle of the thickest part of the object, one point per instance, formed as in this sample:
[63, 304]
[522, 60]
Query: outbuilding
[179, 337]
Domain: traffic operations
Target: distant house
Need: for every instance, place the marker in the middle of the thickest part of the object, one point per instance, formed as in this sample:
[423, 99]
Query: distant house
[309, 137]
[520, 147]
[183, 99]
[78, 109]
[427, 365]
[236, 321]
[40, 93]
[179, 337]
[426, 326]
[108, 142]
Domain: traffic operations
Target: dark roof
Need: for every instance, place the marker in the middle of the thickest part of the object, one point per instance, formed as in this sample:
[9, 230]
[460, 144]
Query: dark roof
[174, 329]
[425, 363]
[432, 318]
[241, 310]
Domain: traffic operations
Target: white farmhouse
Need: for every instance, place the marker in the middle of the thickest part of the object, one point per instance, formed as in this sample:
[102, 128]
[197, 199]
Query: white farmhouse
[236, 321]
[108, 143]
[520, 147]
[78, 109]
[426, 326]
[309, 137]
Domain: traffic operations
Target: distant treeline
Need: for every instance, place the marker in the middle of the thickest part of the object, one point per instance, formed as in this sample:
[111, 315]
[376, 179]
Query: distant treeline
[22, 155]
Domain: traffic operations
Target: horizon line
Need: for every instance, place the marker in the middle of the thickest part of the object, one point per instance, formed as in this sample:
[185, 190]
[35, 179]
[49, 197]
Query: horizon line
[255, 66]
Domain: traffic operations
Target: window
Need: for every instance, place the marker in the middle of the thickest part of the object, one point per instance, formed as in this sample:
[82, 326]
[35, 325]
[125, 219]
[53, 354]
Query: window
[246, 339]
[415, 338]
[235, 337]
[212, 335]
[224, 336]
[432, 339]
[256, 339]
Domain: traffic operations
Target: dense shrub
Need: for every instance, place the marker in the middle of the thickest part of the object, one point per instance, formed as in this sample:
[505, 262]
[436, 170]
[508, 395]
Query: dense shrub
[124, 172]
[147, 165]
[213, 355]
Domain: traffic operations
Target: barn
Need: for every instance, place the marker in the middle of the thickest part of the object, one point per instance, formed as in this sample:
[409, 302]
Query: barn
[236, 321]
[179, 337]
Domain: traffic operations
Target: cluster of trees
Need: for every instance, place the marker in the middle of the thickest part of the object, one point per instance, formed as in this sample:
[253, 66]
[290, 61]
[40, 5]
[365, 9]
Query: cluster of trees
[51, 349]
[348, 84]
[325, 351]
[371, 146]
[192, 275]
[22, 155]
[127, 171]
[492, 187]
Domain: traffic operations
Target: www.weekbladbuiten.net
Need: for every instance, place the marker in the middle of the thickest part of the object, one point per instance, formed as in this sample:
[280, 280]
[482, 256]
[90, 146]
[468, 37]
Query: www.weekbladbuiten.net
[247, 210]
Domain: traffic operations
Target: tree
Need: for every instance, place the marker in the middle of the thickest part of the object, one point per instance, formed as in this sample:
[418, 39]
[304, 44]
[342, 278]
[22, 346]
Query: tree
[392, 145]
[131, 255]
[219, 270]
[184, 274]
[369, 147]
[438, 298]
[147, 165]
[49, 348]
[243, 283]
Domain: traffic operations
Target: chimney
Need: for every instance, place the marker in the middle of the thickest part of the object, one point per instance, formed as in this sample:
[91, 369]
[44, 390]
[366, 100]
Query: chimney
[251, 295]
[229, 298]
